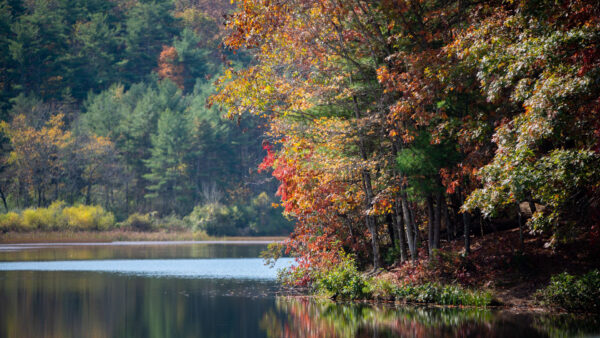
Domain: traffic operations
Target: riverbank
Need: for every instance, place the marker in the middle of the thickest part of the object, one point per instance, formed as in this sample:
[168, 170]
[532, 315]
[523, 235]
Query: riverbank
[119, 236]
[502, 275]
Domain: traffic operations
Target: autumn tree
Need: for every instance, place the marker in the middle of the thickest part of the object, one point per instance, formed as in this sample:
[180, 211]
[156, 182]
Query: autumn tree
[36, 154]
[169, 66]
[543, 62]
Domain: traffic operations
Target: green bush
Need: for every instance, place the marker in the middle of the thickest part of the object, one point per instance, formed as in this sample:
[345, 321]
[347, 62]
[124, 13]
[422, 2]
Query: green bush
[216, 219]
[344, 281]
[265, 217]
[171, 222]
[151, 222]
[572, 293]
[443, 295]
[382, 288]
[138, 222]
[258, 216]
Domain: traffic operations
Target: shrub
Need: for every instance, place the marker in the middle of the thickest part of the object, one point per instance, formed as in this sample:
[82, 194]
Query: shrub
[151, 222]
[572, 293]
[343, 281]
[217, 219]
[88, 217]
[55, 216]
[256, 216]
[382, 288]
[265, 217]
[58, 217]
[10, 222]
[42, 218]
[171, 222]
[443, 295]
[139, 222]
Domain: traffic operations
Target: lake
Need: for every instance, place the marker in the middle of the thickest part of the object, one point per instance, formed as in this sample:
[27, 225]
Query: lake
[186, 289]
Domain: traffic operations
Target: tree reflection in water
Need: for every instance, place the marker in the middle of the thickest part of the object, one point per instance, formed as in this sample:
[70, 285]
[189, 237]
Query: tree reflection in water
[306, 317]
[92, 304]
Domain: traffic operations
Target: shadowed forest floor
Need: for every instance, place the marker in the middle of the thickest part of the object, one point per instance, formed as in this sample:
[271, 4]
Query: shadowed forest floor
[497, 264]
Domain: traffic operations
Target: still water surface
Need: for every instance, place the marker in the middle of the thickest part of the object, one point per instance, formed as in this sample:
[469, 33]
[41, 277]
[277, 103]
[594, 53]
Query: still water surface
[212, 290]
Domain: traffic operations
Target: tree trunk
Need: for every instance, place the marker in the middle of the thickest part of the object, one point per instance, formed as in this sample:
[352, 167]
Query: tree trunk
[106, 197]
[467, 224]
[400, 231]
[368, 189]
[481, 225]
[466, 216]
[532, 207]
[398, 215]
[370, 220]
[448, 223]
[3, 199]
[127, 196]
[437, 216]
[409, 227]
[417, 236]
[391, 231]
[520, 218]
[429, 202]
[456, 203]
[88, 194]
[39, 193]
[350, 231]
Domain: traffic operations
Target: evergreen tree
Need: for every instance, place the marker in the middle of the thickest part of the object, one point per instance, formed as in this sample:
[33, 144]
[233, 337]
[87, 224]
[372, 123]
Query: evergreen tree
[148, 27]
[193, 58]
[37, 46]
[168, 164]
[93, 54]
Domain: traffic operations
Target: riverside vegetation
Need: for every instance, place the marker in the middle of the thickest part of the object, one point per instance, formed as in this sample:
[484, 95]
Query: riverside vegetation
[256, 218]
[443, 144]
[440, 146]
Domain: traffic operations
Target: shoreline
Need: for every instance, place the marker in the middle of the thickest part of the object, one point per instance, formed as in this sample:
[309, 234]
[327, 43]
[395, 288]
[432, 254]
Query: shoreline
[516, 279]
[513, 294]
[525, 305]
[395, 303]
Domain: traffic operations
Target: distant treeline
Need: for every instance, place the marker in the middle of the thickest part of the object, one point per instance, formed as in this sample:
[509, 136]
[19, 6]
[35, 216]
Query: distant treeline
[256, 217]
[104, 103]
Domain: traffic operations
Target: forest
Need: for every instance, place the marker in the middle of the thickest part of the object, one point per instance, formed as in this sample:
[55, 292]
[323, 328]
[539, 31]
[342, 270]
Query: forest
[103, 109]
[397, 126]
[413, 148]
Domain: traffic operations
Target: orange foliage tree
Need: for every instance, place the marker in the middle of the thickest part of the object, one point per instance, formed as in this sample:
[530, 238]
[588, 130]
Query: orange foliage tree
[382, 114]
[169, 66]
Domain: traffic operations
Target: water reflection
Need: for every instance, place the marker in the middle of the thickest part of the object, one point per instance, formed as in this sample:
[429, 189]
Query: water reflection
[91, 304]
[137, 291]
[227, 268]
[55, 252]
[307, 317]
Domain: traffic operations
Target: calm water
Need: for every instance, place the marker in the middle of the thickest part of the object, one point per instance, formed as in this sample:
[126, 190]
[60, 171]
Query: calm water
[212, 290]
